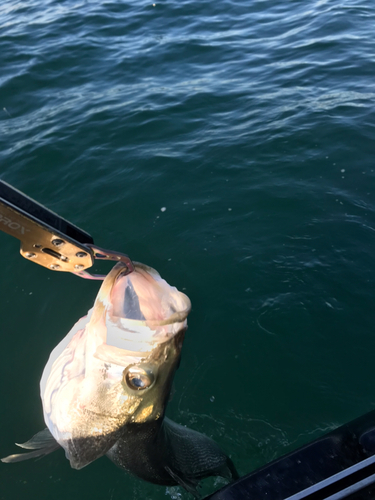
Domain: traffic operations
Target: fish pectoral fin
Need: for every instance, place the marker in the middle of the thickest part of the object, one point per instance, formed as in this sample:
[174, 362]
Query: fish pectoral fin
[42, 444]
[41, 439]
[190, 485]
[233, 474]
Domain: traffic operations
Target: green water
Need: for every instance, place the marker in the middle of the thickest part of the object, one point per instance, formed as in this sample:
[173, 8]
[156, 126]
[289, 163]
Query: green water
[253, 125]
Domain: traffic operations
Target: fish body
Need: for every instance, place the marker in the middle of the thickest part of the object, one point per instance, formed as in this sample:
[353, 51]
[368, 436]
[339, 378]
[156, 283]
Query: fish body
[168, 453]
[106, 386]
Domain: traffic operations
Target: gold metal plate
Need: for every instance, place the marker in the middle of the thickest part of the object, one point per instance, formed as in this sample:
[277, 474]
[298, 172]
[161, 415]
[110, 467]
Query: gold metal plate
[43, 244]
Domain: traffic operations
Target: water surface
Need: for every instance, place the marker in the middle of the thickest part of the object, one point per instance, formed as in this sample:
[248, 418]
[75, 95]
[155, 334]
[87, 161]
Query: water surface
[253, 125]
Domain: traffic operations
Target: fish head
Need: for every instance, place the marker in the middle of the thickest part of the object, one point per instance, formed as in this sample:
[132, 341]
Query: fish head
[116, 366]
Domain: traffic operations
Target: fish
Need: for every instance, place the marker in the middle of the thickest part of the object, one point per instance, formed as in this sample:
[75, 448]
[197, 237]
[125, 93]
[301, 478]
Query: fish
[106, 386]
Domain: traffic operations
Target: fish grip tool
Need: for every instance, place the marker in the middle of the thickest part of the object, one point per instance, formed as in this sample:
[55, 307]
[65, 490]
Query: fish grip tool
[49, 240]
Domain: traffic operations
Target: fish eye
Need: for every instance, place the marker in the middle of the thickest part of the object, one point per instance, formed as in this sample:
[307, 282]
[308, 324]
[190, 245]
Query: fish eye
[138, 379]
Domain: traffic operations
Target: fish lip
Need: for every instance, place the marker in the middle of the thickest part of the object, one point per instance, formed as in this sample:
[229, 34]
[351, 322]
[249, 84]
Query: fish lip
[121, 272]
[178, 317]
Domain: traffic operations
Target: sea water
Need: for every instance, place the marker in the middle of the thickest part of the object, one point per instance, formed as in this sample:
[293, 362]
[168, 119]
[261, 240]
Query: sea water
[229, 145]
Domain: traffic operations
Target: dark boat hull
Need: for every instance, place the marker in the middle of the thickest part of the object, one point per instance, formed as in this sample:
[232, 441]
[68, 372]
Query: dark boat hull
[340, 464]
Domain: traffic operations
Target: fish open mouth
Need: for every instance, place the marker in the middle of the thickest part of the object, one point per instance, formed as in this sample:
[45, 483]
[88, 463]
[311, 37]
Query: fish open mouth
[141, 310]
[144, 296]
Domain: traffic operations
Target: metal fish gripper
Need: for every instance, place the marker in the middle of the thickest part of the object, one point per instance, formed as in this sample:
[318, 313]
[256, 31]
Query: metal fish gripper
[49, 240]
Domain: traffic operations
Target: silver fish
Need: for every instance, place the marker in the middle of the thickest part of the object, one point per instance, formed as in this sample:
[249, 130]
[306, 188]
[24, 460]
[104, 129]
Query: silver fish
[106, 386]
